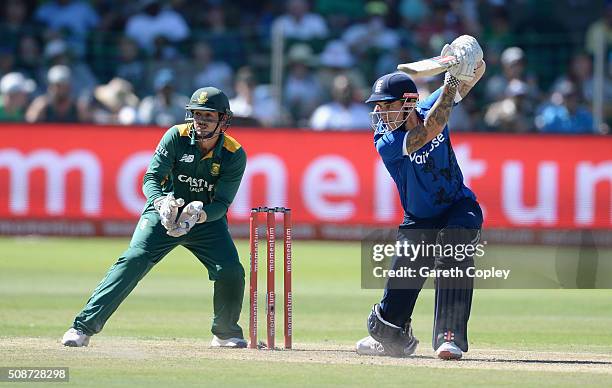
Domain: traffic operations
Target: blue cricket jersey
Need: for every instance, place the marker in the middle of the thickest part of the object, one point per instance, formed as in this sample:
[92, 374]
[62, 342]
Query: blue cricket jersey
[429, 180]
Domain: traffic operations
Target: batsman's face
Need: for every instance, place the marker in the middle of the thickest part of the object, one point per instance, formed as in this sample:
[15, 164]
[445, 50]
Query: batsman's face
[387, 116]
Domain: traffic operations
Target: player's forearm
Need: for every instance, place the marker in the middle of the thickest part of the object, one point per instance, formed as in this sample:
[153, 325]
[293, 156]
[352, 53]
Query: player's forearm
[434, 122]
[465, 87]
[151, 186]
[215, 210]
[438, 116]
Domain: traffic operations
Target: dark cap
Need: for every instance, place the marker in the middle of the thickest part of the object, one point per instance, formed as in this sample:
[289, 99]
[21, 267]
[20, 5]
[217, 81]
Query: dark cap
[211, 99]
[393, 86]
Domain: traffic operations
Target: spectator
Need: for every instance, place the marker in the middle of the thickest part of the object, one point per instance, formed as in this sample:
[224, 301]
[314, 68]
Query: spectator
[130, 66]
[15, 90]
[339, 14]
[336, 59]
[29, 58]
[513, 113]
[115, 103]
[7, 60]
[387, 63]
[209, 72]
[302, 91]
[372, 33]
[413, 12]
[580, 73]
[77, 18]
[153, 21]
[227, 43]
[58, 105]
[83, 80]
[166, 107]
[255, 102]
[300, 24]
[442, 26]
[165, 51]
[498, 30]
[513, 67]
[344, 112]
[112, 15]
[564, 114]
[13, 24]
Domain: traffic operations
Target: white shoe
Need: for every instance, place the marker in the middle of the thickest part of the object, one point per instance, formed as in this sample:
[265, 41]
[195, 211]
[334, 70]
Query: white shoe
[75, 338]
[449, 351]
[228, 343]
[368, 346]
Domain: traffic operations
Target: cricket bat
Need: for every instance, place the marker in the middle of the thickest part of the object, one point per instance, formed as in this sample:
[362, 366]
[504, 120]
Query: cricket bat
[428, 67]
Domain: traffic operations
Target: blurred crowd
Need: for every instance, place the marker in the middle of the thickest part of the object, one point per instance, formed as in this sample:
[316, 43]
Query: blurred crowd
[117, 62]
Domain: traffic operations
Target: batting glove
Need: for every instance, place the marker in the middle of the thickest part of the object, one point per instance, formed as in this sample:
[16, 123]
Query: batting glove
[471, 44]
[167, 207]
[469, 54]
[192, 214]
[465, 69]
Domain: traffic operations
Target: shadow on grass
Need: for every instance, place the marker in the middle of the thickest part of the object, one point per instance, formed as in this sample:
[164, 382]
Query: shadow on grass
[495, 360]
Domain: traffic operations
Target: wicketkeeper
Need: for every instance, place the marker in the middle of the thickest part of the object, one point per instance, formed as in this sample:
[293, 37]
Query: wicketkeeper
[190, 183]
[413, 140]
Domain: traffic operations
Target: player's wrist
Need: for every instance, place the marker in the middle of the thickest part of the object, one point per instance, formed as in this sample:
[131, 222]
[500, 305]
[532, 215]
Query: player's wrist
[450, 81]
[202, 216]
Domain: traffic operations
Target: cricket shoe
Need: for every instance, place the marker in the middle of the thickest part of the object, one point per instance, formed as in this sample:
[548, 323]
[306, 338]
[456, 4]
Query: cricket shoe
[368, 346]
[449, 351]
[228, 343]
[75, 338]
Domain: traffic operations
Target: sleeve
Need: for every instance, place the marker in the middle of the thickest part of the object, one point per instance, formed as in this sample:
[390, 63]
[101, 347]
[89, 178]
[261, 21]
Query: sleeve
[391, 145]
[430, 100]
[161, 165]
[226, 187]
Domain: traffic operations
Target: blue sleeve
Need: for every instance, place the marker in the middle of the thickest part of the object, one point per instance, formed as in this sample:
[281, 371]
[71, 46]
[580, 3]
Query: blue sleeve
[390, 146]
[428, 102]
[425, 105]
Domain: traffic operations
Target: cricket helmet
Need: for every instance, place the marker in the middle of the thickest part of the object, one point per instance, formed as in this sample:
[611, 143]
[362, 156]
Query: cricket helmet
[209, 99]
[388, 88]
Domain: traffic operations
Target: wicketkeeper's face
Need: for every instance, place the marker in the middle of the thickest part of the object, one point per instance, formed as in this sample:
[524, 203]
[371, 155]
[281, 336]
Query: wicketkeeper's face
[205, 122]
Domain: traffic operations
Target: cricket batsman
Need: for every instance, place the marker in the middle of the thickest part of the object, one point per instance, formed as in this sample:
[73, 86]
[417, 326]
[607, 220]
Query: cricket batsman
[190, 183]
[413, 140]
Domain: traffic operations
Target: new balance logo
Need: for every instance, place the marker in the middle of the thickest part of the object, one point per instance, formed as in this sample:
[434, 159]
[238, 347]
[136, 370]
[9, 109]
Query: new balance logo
[186, 158]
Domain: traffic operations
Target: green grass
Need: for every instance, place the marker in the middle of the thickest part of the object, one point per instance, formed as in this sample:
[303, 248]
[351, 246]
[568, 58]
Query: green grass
[45, 282]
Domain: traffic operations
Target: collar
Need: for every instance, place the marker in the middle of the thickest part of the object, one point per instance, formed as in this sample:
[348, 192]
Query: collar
[215, 153]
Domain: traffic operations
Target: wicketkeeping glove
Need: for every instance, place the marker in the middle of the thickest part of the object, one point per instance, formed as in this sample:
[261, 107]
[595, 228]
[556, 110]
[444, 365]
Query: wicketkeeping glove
[192, 214]
[167, 207]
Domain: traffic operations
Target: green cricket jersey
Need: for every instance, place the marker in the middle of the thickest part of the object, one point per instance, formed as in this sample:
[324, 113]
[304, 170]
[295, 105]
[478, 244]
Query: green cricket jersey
[181, 168]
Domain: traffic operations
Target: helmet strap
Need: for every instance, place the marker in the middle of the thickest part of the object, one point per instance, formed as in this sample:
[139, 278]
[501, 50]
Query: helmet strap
[211, 134]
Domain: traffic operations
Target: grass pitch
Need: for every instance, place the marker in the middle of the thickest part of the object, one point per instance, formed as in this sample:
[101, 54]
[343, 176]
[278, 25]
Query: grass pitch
[160, 335]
